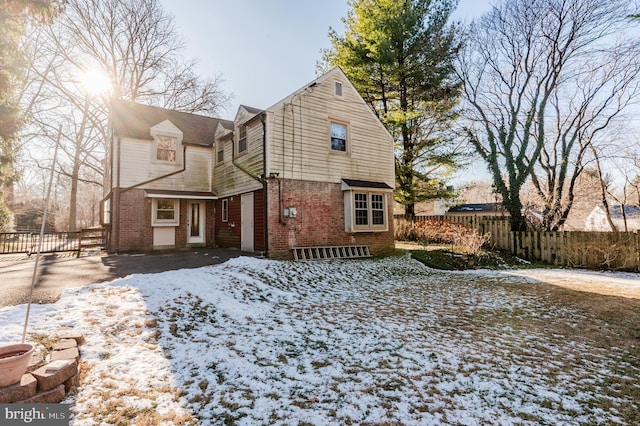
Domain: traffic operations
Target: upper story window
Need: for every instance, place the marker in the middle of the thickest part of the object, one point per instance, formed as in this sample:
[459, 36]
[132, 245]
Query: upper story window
[338, 89]
[339, 137]
[167, 145]
[166, 148]
[242, 141]
[220, 152]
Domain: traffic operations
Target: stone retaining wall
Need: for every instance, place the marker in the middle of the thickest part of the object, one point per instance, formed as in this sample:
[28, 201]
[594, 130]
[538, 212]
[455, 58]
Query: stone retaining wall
[48, 381]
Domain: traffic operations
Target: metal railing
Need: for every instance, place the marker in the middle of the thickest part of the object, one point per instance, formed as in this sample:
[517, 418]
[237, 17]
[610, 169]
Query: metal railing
[52, 242]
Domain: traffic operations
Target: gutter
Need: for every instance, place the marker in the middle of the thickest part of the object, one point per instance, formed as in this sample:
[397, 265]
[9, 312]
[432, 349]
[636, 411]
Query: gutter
[119, 190]
[265, 208]
[184, 167]
[260, 178]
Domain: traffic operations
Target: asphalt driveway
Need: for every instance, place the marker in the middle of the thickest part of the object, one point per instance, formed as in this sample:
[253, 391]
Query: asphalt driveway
[57, 272]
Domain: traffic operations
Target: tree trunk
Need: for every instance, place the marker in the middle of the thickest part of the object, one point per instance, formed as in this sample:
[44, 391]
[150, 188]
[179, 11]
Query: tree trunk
[75, 174]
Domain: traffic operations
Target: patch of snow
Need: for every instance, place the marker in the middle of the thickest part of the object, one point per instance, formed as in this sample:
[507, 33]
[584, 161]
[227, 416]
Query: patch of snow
[256, 341]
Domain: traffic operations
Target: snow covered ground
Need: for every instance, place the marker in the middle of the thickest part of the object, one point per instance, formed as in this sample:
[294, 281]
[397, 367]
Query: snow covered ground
[256, 341]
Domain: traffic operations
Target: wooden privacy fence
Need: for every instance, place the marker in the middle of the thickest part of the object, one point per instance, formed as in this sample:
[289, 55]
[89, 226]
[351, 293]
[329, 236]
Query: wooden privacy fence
[52, 242]
[592, 250]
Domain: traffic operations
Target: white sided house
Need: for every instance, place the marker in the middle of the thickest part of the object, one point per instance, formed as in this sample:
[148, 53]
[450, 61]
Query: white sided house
[315, 170]
[624, 220]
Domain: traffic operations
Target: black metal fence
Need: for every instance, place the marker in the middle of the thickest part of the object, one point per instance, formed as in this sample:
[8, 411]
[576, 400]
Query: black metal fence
[52, 242]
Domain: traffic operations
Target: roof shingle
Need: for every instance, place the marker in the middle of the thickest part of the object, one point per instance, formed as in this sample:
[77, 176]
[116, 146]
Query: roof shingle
[135, 120]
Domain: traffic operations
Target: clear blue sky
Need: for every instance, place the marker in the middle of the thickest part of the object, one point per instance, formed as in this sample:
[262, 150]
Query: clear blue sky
[265, 49]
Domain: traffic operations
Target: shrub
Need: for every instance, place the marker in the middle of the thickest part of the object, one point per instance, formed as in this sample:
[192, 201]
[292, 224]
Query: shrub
[404, 230]
[437, 231]
[470, 241]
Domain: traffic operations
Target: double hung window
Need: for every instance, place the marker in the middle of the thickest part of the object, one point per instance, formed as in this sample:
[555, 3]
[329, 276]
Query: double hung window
[242, 141]
[166, 148]
[165, 212]
[339, 137]
[225, 210]
[365, 211]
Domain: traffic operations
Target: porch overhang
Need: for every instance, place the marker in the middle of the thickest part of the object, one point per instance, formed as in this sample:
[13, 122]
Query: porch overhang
[180, 195]
[353, 184]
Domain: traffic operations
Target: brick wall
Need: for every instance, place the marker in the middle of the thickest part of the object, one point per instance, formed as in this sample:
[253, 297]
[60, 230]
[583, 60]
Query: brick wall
[228, 233]
[135, 232]
[319, 221]
[258, 221]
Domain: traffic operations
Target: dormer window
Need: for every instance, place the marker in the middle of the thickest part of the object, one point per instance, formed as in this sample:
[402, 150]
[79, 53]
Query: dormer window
[167, 145]
[242, 138]
[166, 148]
[220, 152]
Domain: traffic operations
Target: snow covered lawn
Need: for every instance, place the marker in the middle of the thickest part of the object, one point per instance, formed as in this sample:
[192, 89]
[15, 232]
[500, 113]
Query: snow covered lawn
[385, 341]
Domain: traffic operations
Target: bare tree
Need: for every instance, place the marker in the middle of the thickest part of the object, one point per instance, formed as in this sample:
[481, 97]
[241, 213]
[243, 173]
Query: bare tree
[542, 80]
[133, 44]
[136, 44]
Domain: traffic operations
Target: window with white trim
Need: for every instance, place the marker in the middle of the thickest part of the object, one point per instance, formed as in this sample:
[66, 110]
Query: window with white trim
[225, 210]
[339, 136]
[338, 89]
[106, 211]
[220, 152]
[165, 212]
[365, 211]
[166, 148]
[242, 141]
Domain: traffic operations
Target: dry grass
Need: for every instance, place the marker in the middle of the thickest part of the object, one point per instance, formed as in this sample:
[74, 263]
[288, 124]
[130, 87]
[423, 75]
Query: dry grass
[352, 341]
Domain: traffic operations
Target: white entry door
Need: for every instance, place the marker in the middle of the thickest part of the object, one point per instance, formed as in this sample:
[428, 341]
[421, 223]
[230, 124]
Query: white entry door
[246, 229]
[195, 222]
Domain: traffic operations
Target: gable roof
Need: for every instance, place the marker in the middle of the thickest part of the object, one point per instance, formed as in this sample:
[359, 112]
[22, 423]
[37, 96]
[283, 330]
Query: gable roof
[630, 211]
[251, 110]
[135, 120]
[331, 74]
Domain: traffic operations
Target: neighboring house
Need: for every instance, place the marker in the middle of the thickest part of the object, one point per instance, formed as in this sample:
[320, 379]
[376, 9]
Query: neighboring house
[472, 214]
[477, 209]
[597, 219]
[314, 170]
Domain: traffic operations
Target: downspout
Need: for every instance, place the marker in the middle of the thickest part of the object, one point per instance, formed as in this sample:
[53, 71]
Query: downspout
[233, 161]
[120, 191]
[184, 167]
[261, 179]
[265, 185]
[115, 233]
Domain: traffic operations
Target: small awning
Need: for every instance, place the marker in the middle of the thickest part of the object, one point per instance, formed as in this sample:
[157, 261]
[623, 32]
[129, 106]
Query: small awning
[182, 195]
[351, 184]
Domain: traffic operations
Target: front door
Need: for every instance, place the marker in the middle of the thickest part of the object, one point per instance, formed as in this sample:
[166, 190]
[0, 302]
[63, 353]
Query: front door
[246, 229]
[195, 222]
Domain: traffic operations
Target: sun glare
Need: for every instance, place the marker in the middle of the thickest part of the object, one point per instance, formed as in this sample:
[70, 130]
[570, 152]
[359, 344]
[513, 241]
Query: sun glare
[95, 82]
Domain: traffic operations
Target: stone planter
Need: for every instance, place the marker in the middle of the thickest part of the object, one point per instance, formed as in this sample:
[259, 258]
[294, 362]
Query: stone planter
[14, 360]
